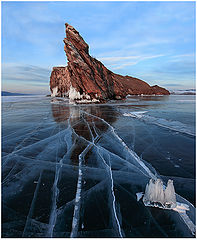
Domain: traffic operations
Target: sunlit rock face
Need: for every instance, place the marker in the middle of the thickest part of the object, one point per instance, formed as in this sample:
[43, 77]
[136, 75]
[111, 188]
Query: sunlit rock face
[86, 79]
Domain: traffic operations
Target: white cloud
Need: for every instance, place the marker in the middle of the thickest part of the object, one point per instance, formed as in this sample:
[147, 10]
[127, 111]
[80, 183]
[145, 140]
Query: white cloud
[25, 73]
[121, 62]
[183, 57]
[115, 59]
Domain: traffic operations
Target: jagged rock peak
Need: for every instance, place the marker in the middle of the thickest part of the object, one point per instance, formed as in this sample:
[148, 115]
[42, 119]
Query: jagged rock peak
[73, 36]
[86, 79]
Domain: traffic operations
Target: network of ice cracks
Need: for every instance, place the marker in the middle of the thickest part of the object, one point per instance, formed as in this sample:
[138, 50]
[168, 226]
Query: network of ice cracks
[70, 178]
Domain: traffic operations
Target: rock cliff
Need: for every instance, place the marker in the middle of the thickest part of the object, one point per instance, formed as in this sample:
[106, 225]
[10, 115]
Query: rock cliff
[86, 79]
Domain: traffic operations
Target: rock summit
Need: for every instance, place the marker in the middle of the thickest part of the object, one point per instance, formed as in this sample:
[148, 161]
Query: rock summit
[85, 79]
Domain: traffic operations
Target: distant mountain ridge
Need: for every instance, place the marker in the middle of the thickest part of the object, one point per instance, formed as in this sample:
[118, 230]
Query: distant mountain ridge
[4, 93]
[184, 92]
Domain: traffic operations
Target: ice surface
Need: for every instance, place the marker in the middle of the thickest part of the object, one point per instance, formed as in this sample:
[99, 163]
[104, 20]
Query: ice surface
[73, 171]
[169, 124]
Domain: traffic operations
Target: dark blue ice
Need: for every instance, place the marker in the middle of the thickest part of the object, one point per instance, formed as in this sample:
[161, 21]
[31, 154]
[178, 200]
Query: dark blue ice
[74, 170]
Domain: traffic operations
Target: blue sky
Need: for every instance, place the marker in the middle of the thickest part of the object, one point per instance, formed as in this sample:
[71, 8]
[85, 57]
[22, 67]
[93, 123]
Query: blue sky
[153, 41]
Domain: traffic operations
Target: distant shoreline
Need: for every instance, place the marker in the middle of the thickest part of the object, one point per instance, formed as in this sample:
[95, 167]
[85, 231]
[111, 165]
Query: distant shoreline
[7, 94]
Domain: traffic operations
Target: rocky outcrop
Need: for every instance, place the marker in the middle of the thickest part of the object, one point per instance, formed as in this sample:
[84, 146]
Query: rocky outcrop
[86, 79]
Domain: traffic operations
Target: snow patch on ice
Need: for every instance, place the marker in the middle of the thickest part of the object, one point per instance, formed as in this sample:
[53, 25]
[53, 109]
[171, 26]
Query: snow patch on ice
[88, 101]
[177, 166]
[135, 114]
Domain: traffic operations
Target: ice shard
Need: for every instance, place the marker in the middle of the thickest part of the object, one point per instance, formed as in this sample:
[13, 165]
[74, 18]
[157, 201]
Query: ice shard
[170, 198]
[155, 193]
[159, 193]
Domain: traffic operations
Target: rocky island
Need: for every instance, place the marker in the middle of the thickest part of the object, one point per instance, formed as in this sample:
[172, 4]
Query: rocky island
[87, 80]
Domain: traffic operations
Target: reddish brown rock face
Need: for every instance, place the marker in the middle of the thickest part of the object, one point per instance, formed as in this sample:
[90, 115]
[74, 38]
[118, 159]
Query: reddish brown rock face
[86, 79]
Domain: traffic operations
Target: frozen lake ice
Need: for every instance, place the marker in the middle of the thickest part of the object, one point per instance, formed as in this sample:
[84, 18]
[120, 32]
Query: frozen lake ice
[74, 170]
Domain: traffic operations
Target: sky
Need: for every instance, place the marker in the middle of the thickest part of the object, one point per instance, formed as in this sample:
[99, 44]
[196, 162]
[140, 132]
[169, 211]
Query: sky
[153, 41]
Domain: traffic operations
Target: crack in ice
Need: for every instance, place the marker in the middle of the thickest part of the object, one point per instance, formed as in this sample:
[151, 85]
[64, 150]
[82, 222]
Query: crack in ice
[133, 154]
[30, 214]
[113, 196]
